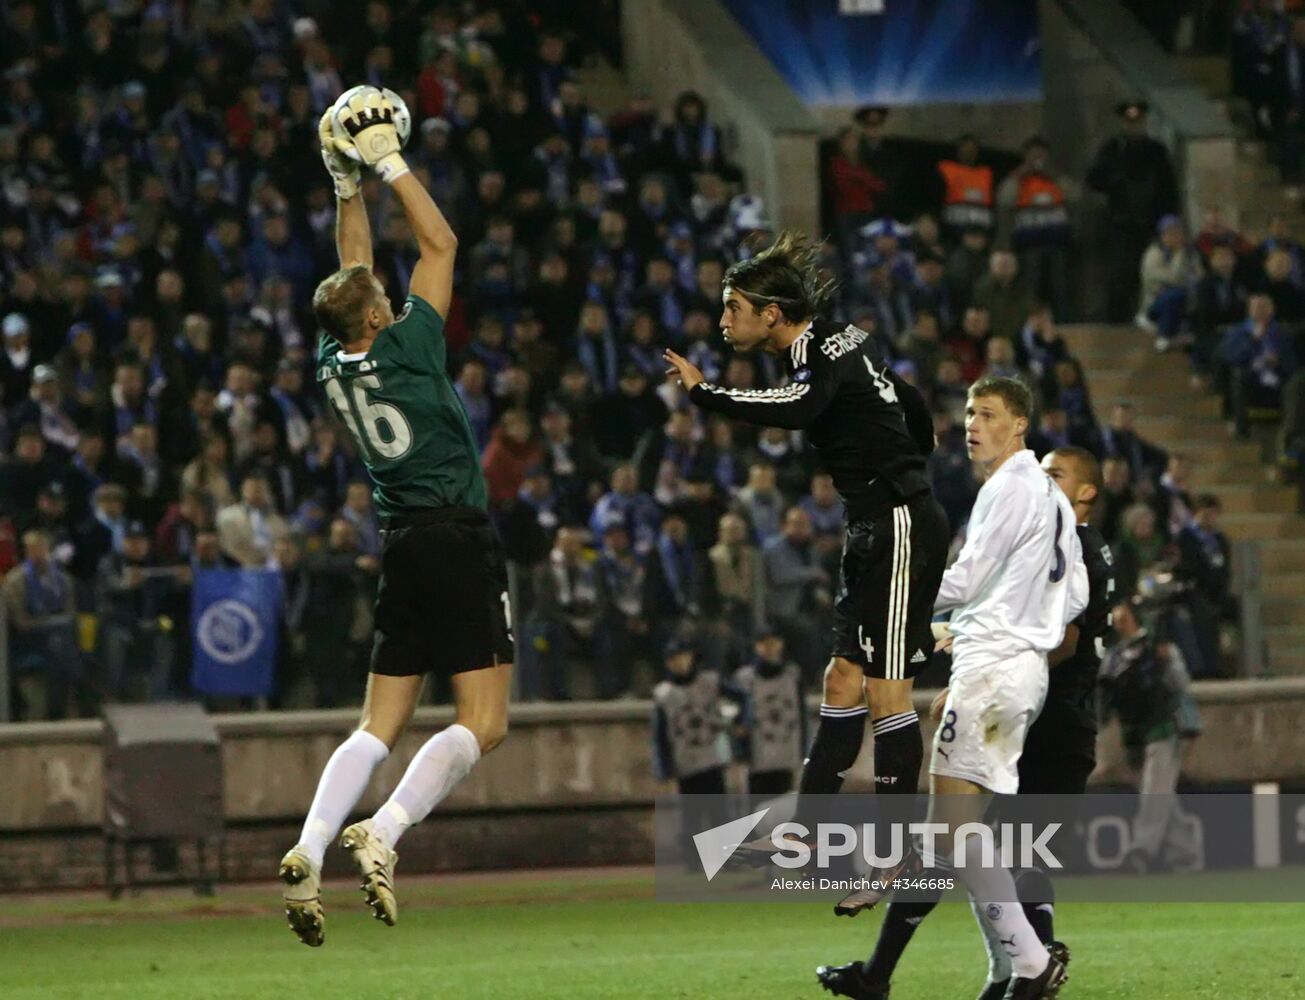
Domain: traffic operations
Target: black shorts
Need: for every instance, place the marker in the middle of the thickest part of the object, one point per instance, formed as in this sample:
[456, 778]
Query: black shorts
[888, 580]
[1057, 757]
[442, 605]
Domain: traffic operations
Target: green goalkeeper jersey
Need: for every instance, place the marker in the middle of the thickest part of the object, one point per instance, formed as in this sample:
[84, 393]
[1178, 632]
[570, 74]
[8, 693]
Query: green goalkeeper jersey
[410, 424]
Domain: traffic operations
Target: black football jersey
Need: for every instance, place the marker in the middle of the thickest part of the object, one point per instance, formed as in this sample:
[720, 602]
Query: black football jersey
[870, 428]
[1070, 694]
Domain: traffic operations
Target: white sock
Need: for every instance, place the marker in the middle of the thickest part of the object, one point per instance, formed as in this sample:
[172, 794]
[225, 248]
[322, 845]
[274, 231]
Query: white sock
[341, 786]
[999, 968]
[443, 761]
[995, 901]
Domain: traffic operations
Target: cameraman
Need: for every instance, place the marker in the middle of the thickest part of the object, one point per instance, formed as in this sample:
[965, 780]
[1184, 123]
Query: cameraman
[1144, 681]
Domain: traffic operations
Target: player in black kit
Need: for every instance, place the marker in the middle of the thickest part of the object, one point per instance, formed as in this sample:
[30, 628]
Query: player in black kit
[1059, 750]
[872, 433]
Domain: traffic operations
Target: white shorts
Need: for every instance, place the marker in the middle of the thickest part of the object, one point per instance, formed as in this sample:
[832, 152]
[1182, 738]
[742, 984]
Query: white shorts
[989, 709]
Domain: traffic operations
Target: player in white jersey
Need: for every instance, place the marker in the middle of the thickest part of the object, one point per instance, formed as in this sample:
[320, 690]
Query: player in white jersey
[1018, 581]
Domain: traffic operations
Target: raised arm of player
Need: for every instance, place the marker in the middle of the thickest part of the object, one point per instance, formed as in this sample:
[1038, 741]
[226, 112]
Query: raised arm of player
[368, 117]
[432, 278]
[792, 407]
[353, 231]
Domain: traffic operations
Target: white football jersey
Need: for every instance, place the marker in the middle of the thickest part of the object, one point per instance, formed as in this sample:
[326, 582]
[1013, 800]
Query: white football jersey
[1020, 577]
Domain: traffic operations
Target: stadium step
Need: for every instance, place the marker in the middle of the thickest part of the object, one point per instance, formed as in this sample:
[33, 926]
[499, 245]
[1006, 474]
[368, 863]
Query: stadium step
[1280, 610]
[1213, 74]
[1286, 556]
[1252, 498]
[1267, 526]
[1286, 648]
[1284, 585]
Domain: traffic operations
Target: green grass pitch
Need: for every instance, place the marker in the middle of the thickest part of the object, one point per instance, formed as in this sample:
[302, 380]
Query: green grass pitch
[602, 935]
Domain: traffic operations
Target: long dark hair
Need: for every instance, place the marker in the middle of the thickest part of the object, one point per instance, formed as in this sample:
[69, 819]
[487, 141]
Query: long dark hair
[787, 273]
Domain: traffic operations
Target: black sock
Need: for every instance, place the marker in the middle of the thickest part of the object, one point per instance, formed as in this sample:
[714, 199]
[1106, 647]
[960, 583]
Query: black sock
[833, 751]
[899, 752]
[1038, 898]
[899, 925]
[1042, 917]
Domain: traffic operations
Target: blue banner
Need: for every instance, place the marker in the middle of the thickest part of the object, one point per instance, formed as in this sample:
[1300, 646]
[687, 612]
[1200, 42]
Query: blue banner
[843, 52]
[235, 620]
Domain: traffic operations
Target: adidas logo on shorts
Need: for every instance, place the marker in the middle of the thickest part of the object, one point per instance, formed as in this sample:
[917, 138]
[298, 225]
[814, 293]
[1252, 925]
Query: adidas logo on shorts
[919, 656]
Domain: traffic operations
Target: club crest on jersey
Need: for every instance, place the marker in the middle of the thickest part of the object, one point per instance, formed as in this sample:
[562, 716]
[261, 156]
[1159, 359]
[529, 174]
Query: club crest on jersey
[802, 375]
[847, 339]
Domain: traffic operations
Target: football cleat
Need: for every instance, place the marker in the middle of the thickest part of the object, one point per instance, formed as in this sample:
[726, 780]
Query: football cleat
[303, 897]
[850, 981]
[1046, 985]
[757, 853]
[879, 883]
[1060, 952]
[375, 864]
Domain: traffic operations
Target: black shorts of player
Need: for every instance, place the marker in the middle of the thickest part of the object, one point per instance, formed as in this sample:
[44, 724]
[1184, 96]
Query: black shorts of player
[442, 606]
[1058, 756]
[891, 567]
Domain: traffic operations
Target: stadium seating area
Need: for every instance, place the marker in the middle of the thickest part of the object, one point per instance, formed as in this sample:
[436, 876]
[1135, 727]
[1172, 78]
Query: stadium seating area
[160, 417]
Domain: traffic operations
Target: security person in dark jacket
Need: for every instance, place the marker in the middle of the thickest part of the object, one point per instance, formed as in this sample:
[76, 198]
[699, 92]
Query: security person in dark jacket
[1136, 175]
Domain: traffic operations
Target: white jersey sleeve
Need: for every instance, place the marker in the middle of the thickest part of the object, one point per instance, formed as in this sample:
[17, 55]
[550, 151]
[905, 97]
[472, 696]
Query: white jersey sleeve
[996, 526]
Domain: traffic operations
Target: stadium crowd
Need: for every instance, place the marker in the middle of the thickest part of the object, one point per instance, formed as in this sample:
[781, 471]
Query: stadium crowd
[164, 219]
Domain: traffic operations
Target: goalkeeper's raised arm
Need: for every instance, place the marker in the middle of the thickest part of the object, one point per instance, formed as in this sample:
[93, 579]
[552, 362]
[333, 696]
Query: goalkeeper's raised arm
[367, 118]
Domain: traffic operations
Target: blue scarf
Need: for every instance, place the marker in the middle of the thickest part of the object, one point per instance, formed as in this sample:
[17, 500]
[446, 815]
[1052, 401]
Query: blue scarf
[677, 567]
[600, 361]
[46, 593]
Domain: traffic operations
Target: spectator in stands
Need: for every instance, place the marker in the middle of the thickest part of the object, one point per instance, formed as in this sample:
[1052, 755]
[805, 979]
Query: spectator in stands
[1116, 497]
[30, 468]
[968, 188]
[798, 591]
[1146, 461]
[951, 471]
[761, 503]
[856, 190]
[563, 622]
[248, 529]
[625, 505]
[178, 531]
[1170, 271]
[825, 510]
[1205, 561]
[1259, 357]
[738, 581]
[1139, 546]
[967, 263]
[135, 635]
[625, 623]
[40, 605]
[341, 580]
[881, 155]
[512, 449]
[1002, 292]
[1040, 346]
[1279, 284]
[1034, 198]
[969, 344]
[1220, 301]
[1135, 174]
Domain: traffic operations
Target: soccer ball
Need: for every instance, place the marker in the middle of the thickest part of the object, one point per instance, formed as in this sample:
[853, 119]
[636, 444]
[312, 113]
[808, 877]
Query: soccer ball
[402, 118]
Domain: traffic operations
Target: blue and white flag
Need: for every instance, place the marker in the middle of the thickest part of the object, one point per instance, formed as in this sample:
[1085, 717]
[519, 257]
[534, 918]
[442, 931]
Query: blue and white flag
[235, 617]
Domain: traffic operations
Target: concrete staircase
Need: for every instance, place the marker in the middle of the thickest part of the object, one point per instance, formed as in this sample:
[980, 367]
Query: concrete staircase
[1122, 366]
[1260, 191]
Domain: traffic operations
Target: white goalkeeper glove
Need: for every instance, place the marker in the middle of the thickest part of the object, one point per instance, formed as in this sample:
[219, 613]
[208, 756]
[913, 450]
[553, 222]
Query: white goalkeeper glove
[345, 173]
[368, 120]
